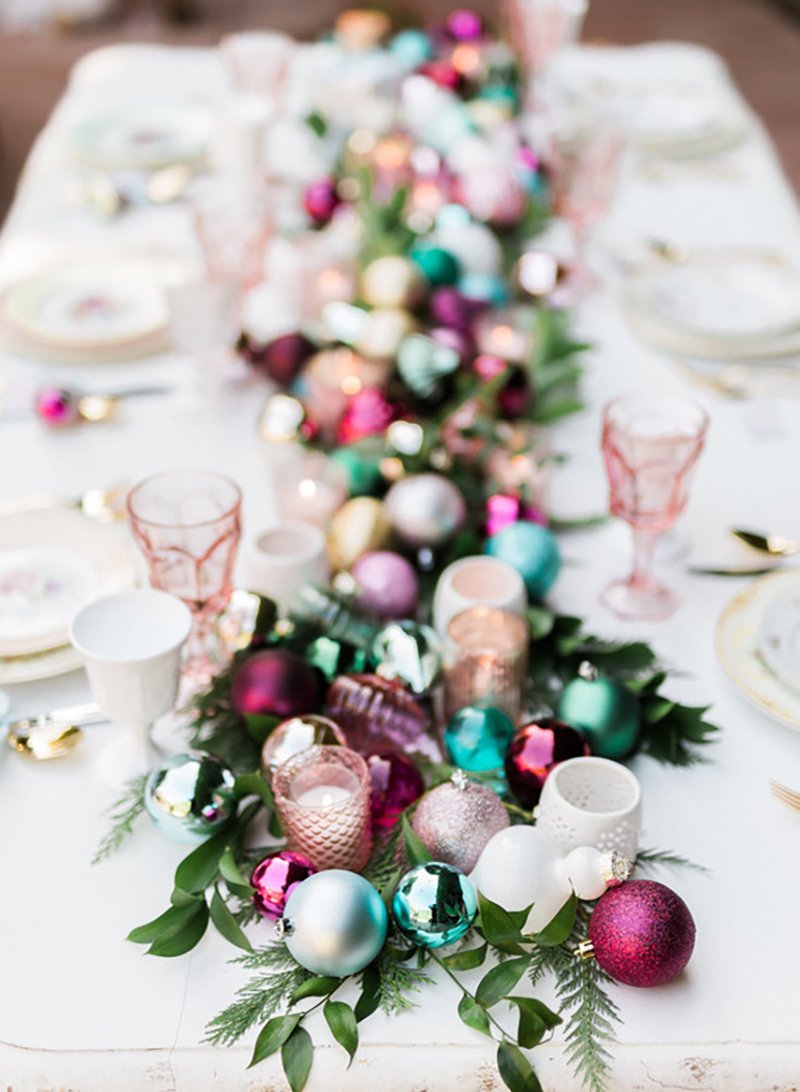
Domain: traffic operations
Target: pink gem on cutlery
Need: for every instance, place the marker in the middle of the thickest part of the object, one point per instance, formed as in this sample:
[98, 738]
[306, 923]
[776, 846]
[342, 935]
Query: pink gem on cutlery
[57, 406]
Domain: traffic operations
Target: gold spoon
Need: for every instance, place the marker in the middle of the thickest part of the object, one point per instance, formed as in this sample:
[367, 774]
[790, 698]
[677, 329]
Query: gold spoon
[774, 545]
[43, 743]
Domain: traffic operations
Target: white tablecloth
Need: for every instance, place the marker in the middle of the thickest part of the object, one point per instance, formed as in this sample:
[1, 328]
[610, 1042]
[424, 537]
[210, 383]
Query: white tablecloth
[80, 1008]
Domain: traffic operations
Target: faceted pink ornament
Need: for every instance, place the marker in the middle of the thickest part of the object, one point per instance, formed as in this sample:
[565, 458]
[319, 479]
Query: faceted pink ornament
[274, 879]
[380, 714]
[386, 583]
[368, 413]
[320, 200]
[503, 509]
[455, 821]
[395, 783]
[536, 749]
[642, 933]
[57, 406]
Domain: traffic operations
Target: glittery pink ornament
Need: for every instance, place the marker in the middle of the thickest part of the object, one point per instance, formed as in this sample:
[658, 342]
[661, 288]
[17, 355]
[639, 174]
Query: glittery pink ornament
[378, 714]
[464, 25]
[536, 749]
[320, 200]
[504, 508]
[395, 782]
[275, 682]
[368, 413]
[642, 933]
[454, 821]
[274, 879]
[57, 406]
[386, 583]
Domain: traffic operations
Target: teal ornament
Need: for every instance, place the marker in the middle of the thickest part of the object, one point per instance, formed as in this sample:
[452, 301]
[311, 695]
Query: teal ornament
[436, 264]
[605, 711]
[434, 904]
[530, 549]
[477, 739]
[411, 47]
[334, 923]
[423, 363]
[483, 286]
[190, 797]
[360, 461]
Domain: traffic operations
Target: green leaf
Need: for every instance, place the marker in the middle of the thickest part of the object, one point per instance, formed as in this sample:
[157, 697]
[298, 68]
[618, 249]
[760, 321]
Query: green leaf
[469, 960]
[341, 1020]
[369, 1000]
[473, 1015]
[166, 924]
[415, 850]
[317, 123]
[182, 898]
[535, 1019]
[297, 1055]
[318, 986]
[183, 940]
[226, 924]
[253, 784]
[540, 620]
[557, 930]
[201, 867]
[259, 726]
[500, 927]
[233, 876]
[273, 1035]
[515, 1069]
[500, 981]
[546, 411]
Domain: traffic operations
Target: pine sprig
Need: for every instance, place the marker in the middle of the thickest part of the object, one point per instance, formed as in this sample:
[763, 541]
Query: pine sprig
[647, 859]
[590, 1018]
[122, 814]
[398, 981]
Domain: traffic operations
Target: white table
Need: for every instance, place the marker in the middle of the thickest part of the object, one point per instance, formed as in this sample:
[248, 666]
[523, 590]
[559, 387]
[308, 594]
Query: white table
[80, 1008]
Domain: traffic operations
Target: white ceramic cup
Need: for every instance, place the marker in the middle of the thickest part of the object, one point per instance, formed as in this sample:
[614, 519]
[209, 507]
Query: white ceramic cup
[592, 802]
[477, 581]
[279, 562]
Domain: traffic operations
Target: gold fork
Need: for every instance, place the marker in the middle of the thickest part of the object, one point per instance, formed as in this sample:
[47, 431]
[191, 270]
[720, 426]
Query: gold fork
[787, 796]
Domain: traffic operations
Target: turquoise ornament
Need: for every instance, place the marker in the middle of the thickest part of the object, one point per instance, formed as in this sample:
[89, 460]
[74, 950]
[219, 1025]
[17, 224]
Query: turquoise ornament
[434, 904]
[360, 461]
[477, 739]
[530, 549]
[334, 923]
[436, 264]
[423, 363]
[411, 47]
[483, 286]
[190, 797]
[605, 711]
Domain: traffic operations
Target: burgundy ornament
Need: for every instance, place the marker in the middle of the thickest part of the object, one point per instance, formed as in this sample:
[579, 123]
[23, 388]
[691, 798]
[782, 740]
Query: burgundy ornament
[274, 879]
[379, 714]
[516, 396]
[386, 584]
[505, 508]
[452, 308]
[642, 933]
[368, 413]
[536, 749]
[57, 406]
[464, 25]
[283, 358]
[276, 682]
[395, 783]
[321, 200]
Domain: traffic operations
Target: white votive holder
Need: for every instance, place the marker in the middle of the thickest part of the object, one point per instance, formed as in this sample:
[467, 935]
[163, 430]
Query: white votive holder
[280, 561]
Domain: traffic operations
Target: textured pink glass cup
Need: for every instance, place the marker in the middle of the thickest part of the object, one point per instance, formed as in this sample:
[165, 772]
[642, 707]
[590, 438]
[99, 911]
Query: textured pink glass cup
[188, 524]
[323, 800]
[538, 31]
[486, 660]
[651, 444]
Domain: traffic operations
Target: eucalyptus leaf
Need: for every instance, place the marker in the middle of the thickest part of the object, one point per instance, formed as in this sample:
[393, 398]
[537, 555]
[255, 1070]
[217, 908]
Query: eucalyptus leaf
[473, 1015]
[297, 1056]
[273, 1035]
[498, 983]
[166, 924]
[515, 1069]
[318, 986]
[468, 960]
[186, 938]
[341, 1019]
[535, 1019]
[501, 928]
[415, 849]
[369, 1000]
[201, 867]
[226, 924]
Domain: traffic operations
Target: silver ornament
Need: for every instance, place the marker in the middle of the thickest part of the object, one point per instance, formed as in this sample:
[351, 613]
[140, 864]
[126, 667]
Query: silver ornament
[425, 509]
[423, 363]
[411, 652]
[190, 797]
[456, 820]
[334, 923]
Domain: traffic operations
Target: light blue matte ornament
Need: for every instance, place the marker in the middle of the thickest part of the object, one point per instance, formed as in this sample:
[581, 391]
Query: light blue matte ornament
[530, 549]
[483, 286]
[434, 904]
[477, 739]
[411, 47]
[334, 923]
[450, 216]
[190, 797]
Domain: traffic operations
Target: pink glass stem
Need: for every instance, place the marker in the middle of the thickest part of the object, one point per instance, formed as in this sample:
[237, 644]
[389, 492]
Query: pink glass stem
[644, 544]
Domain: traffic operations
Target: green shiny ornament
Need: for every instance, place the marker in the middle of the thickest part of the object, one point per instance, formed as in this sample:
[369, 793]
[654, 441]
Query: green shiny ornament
[437, 265]
[605, 711]
[434, 904]
[360, 462]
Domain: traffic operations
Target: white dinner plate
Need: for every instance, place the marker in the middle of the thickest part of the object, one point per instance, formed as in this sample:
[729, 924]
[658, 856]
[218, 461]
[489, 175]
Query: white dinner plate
[680, 119]
[39, 665]
[143, 137]
[739, 652]
[779, 636]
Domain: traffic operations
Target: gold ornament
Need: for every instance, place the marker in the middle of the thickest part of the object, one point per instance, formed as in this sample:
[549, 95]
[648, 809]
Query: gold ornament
[391, 281]
[360, 525]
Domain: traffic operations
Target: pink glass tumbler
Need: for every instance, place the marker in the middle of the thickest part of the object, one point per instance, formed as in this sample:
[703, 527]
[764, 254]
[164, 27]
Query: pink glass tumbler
[651, 444]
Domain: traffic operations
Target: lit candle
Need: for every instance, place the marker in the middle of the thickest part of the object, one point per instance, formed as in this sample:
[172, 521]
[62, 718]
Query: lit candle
[310, 490]
[322, 796]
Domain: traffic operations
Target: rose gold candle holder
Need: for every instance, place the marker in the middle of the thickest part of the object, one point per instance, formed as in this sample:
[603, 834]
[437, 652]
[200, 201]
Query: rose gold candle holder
[322, 797]
[486, 660]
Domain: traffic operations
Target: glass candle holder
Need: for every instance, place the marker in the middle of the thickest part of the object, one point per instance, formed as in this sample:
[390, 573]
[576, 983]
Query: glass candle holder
[323, 800]
[486, 660]
[310, 490]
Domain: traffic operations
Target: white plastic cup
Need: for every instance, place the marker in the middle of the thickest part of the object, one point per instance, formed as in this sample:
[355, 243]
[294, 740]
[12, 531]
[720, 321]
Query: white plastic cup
[278, 562]
[477, 581]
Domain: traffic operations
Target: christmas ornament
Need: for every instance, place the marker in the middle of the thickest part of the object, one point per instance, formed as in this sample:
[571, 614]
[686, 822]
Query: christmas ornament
[333, 612]
[604, 710]
[534, 751]
[456, 820]
[642, 933]
[531, 550]
[391, 281]
[321, 201]
[275, 682]
[57, 406]
[295, 735]
[434, 904]
[334, 923]
[275, 878]
[410, 652]
[395, 783]
[368, 413]
[475, 247]
[386, 584]
[449, 307]
[442, 73]
[484, 289]
[437, 265]
[281, 419]
[592, 871]
[361, 461]
[190, 797]
[383, 330]
[478, 738]
[378, 714]
[360, 526]
[283, 358]
[539, 273]
[426, 509]
[423, 363]
[411, 47]
[361, 28]
[456, 340]
[464, 25]
[503, 510]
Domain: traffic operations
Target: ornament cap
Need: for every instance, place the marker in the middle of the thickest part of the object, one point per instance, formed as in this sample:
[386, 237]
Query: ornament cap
[615, 869]
[284, 927]
[460, 780]
[585, 951]
[587, 671]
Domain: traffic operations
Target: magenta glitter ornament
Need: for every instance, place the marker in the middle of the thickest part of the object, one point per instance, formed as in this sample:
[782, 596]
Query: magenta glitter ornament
[275, 878]
[395, 782]
[536, 749]
[386, 583]
[642, 933]
[504, 508]
[276, 682]
[320, 200]
[454, 821]
[378, 714]
[464, 25]
[57, 406]
[368, 413]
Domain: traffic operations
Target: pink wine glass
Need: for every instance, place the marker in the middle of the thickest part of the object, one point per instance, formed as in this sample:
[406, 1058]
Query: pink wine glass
[188, 524]
[651, 444]
[538, 31]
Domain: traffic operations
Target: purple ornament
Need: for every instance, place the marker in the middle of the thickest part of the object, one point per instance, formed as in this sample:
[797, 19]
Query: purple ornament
[453, 339]
[57, 406]
[387, 584]
[380, 714]
[320, 201]
[642, 933]
[275, 682]
[449, 307]
[504, 508]
[536, 749]
[368, 413]
[464, 25]
[275, 878]
[395, 783]
[283, 358]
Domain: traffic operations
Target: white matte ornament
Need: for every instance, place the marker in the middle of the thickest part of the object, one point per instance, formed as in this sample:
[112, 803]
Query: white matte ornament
[426, 509]
[591, 872]
[391, 281]
[383, 330]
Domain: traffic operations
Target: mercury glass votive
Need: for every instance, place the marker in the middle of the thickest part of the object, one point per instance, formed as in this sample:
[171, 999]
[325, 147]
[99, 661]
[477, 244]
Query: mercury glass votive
[486, 660]
[323, 800]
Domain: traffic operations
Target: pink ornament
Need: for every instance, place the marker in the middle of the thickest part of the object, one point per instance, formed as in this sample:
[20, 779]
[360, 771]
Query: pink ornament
[503, 509]
[449, 307]
[455, 821]
[464, 25]
[378, 714]
[57, 406]
[457, 432]
[488, 366]
[275, 682]
[368, 413]
[387, 584]
[536, 749]
[274, 879]
[453, 339]
[320, 201]
[442, 73]
[642, 933]
[395, 783]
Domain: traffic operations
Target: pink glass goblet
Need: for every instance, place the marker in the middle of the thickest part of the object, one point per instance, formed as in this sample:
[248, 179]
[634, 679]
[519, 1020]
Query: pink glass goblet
[538, 30]
[188, 524]
[651, 444]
